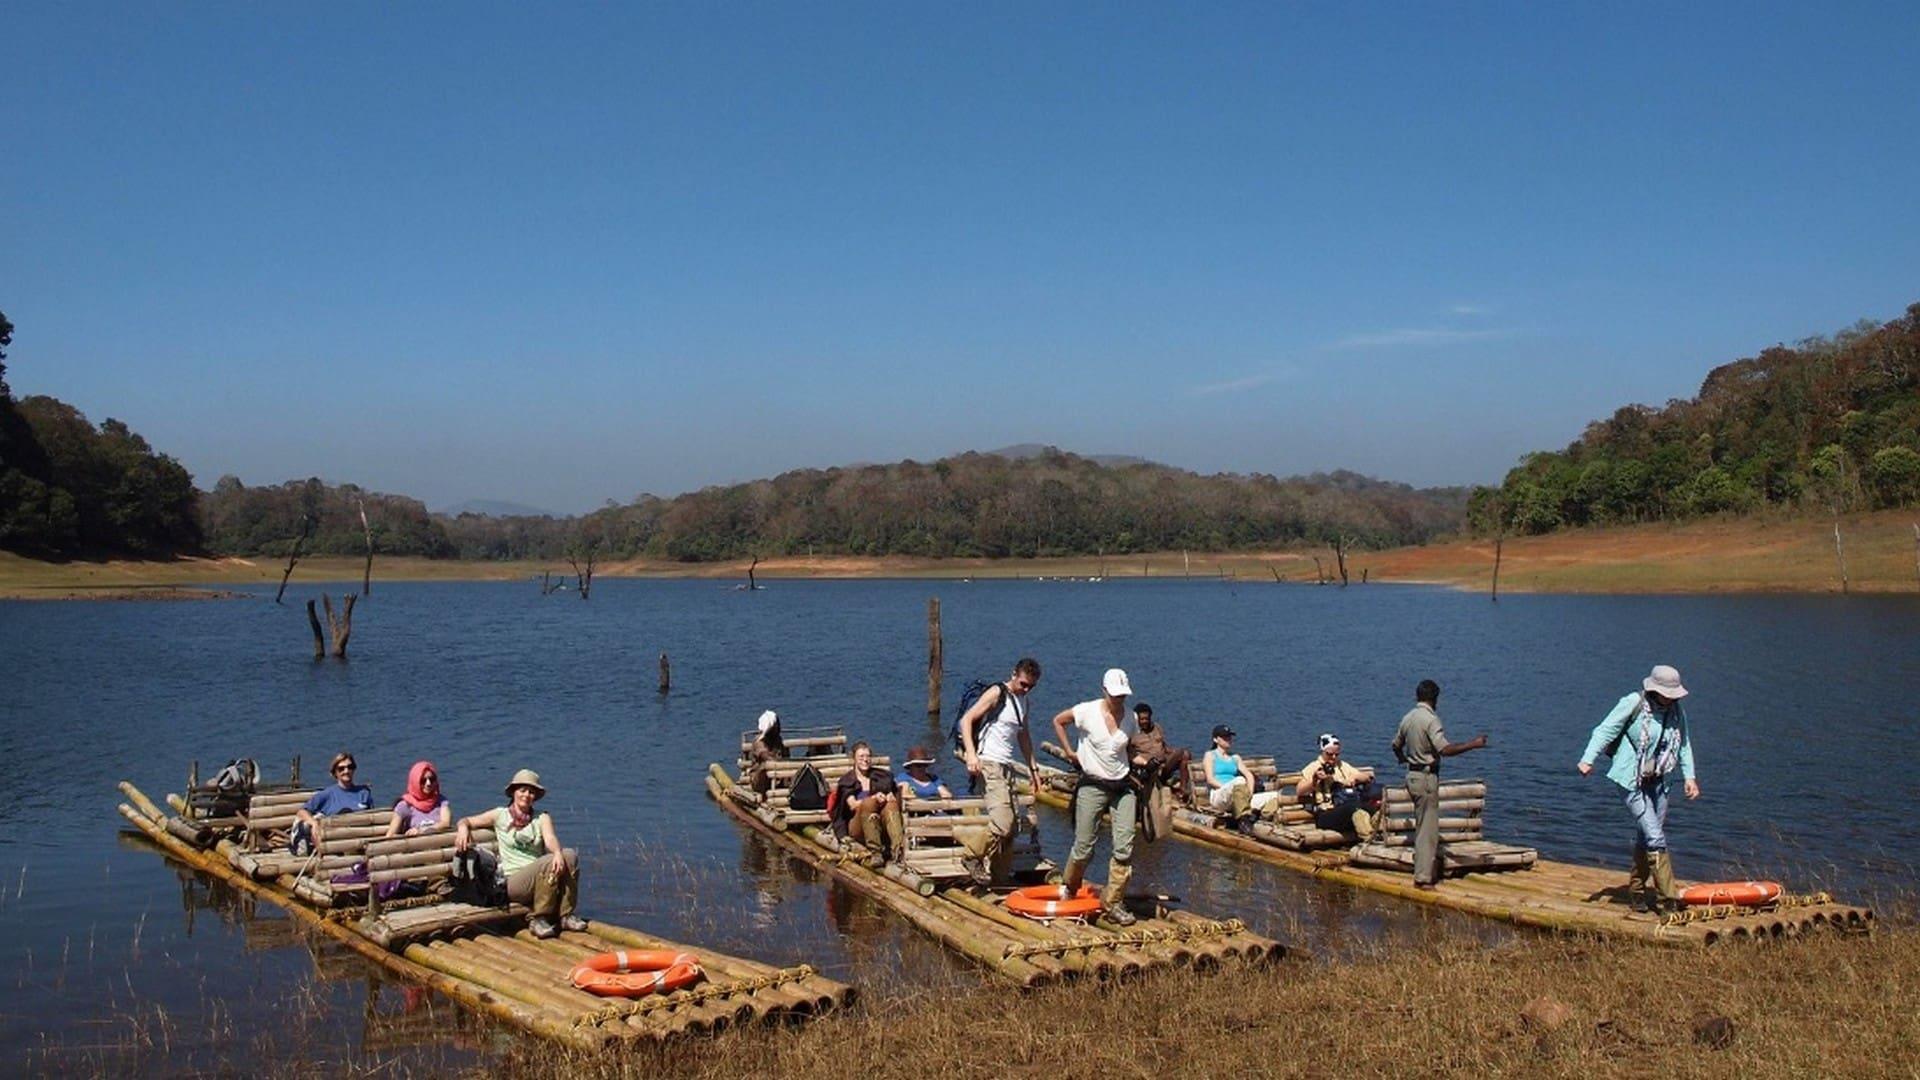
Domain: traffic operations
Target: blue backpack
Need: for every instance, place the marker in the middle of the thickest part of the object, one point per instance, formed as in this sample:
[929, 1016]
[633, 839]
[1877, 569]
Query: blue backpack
[968, 697]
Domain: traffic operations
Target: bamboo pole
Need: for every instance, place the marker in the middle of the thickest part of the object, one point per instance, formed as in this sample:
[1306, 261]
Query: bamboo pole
[705, 1015]
[823, 992]
[935, 661]
[474, 998]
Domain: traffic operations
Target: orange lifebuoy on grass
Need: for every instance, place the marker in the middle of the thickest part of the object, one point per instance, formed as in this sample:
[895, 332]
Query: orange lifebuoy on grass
[636, 972]
[1048, 902]
[1738, 893]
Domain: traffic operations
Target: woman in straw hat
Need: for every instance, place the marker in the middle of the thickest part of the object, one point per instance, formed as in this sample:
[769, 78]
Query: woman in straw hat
[1648, 738]
[535, 869]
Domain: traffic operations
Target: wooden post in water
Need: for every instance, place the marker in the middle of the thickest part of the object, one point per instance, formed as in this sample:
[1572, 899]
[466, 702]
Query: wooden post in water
[366, 575]
[936, 659]
[1499, 541]
[1840, 553]
[1340, 556]
[666, 674]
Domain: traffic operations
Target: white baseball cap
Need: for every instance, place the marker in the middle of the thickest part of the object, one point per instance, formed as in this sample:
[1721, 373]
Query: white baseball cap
[1114, 682]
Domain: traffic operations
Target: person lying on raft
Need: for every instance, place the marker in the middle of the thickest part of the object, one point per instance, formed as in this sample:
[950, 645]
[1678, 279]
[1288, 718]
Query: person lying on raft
[1229, 782]
[917, 780]
[422, 809]
[767, 747]
[535, 869]
[1336, 792]
[344, 797]
[866, 806]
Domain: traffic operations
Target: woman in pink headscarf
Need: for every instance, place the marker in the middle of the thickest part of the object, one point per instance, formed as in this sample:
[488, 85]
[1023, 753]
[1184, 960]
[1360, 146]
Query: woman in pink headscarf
[422, 808]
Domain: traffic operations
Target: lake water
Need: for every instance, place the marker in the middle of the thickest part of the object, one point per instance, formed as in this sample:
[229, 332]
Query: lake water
[1804, 711]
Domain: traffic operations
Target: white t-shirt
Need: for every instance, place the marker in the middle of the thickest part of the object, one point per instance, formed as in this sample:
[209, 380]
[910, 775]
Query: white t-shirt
[1102, 753]
[996, 737]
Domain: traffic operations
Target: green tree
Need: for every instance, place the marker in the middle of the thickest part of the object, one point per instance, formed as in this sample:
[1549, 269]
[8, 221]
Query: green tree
[1893, 475]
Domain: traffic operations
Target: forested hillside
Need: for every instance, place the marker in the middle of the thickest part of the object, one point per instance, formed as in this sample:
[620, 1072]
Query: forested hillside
[1052, 503]
[1830, 424]
[68, 488]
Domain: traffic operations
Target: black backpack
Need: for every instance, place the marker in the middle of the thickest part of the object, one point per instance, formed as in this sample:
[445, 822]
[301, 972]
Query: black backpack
[968, 697]
[809, 791]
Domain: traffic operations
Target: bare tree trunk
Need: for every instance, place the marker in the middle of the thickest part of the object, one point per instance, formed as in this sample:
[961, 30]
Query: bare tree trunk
[366, 575]
[1363, 575]
[1499, 542]
[319, 639]
[546, 583]
[1319, 572]
[751, 584]
[1916, 551]
[293, 556]
[936, 654]
[1187, 561]
[341, 626]
[666, 674]
[1340, 556]
[1840, 553]
[585, 576]
[1275, 572]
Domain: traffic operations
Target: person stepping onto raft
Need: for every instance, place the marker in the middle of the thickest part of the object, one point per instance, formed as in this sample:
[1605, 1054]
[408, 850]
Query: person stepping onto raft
[1229, 781]
[1647, 737]
[993, 742]
[1105, 786]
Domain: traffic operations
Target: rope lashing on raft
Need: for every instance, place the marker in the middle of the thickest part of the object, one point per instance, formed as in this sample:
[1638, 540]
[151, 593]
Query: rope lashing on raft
[1783, 902]
[638, 1006]
[1123, 939]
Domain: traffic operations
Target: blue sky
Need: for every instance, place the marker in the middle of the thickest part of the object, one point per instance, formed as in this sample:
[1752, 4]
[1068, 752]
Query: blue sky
[563, 254]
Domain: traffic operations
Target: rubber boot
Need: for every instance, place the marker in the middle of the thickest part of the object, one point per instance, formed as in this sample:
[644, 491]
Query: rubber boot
[1070, 880]
[1637, 880]
[1669, 897]
[1115, 896]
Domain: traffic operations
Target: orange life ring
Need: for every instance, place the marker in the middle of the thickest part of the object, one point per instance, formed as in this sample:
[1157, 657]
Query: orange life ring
[1046, 902]
[636, 972]
[1739, 893]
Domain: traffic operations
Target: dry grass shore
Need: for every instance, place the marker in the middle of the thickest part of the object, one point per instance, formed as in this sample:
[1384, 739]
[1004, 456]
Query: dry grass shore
[1738, 555]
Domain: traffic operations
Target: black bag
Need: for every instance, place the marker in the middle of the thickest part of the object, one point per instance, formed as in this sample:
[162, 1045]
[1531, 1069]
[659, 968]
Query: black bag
[972, 694]
[809, 791]
[474, 880]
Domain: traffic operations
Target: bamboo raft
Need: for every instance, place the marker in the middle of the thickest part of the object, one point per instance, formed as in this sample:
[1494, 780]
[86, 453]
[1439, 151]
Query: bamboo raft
[494, 966]
[1505, 883]
[973, 921]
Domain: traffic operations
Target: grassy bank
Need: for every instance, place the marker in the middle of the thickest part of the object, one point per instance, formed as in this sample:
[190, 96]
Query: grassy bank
[1744, 555]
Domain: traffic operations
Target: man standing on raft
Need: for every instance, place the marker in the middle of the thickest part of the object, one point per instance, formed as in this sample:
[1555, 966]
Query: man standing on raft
[1652, 725]
[1419, 745]
[990, 733]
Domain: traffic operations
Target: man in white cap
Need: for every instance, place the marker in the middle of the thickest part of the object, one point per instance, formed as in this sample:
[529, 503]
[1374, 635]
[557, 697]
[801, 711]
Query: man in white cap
[767, 747]
[1647, 737]
[1330, 789]
[1105, 786]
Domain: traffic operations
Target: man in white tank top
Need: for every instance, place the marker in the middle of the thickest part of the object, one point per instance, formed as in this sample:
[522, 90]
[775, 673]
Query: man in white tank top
[992, 732]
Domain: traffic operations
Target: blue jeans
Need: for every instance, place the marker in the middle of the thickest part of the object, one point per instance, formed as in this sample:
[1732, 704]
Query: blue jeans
[1648, 805]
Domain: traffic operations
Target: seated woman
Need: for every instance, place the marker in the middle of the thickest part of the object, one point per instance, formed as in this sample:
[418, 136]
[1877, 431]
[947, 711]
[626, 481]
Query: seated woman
[422, 808]
[535, 869]
[1229, 782]
[767, 747]
[917, 781]
[344, 797]
[866, 806]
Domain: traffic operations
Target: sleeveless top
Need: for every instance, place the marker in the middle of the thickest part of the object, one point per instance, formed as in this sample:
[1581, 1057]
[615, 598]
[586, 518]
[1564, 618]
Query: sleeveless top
[1225, 768]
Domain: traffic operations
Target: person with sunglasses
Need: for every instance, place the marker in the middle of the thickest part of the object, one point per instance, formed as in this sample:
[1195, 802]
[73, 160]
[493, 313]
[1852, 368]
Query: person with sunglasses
[423, 808]
[343, 797]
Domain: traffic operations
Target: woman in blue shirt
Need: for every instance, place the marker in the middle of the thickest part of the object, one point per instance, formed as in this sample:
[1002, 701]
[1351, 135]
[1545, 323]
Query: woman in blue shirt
[1648, 739]
[918, 780]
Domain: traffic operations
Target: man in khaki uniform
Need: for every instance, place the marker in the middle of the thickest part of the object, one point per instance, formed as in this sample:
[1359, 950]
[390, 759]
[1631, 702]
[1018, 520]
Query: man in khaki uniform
[1420, 744]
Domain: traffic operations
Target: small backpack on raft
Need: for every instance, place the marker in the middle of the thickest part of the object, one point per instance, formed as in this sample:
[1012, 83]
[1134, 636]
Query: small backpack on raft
[809, 791]
[968, 697]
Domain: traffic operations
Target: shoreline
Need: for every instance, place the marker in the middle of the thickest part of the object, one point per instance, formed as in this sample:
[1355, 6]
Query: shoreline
[1752, 555]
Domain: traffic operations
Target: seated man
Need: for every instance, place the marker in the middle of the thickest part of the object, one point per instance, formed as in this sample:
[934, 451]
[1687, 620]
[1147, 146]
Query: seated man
[767, 747]
[344, 797]
[1336, 792]
[1165, 764]
[867, 806]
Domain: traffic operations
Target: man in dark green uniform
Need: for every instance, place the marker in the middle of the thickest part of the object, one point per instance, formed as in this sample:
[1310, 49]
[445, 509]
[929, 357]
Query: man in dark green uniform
[1420, 744]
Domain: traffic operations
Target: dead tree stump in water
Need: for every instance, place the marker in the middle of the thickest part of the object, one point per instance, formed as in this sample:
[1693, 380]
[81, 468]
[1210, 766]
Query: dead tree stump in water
[666, 674]
[293, 556]
[366, 575]
[319, 639]
[1340, 556]
[936, 660]
[585, 576]
[1499, 542]
[341, 625]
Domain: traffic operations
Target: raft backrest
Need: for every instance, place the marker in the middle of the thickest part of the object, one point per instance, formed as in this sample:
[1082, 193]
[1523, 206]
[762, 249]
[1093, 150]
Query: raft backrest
[269, 816]
[420, 857]
[780, 774]
[1263, 769]
[803, 742]
[1461, 805]
[933, 850]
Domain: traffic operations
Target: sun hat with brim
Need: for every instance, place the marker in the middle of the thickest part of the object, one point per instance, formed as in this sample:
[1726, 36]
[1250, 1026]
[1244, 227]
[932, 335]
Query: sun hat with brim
[1664, 681]
[526, 778]
[1115, 683]
[917, 756]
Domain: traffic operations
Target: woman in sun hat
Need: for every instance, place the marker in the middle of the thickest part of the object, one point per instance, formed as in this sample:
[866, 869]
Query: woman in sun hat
[1648, 738]
[535, 869]
[917, 780]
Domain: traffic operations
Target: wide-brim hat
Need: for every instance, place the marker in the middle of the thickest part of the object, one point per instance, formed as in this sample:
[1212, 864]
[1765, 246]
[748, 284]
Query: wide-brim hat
[1665, 681]
[526, 778]
[917, 756]
[1115, 683]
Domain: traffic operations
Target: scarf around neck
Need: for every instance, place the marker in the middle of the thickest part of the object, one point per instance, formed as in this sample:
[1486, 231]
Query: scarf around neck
[416, 795]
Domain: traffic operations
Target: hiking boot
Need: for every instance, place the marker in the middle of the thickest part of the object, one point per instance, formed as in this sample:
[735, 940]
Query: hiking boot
[541, 928]
[573, 924]
[1118, 915]
[976, 869]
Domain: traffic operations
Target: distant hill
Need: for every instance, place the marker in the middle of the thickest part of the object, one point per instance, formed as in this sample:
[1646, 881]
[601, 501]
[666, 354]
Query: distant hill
[1830, 424]
[1025, 450]
[495, 508]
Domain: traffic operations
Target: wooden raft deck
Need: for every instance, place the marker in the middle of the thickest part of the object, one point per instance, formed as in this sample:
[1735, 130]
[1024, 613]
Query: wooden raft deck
[504, 972]
[1565, 897]
[972, 921]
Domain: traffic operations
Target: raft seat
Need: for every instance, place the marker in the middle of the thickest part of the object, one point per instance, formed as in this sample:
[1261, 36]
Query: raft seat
[826, 740]
[1464, 848]
[426, 859]
[935, 827]
[780, 776]
[268, 819]
[311, 876]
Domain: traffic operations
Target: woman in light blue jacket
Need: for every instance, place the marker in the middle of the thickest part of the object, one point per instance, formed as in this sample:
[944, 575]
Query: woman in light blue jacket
[1647, 737]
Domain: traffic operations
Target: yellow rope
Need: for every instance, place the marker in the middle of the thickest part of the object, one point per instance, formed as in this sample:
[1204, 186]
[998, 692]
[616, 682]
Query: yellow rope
[1705, 912]
[639, 1006]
